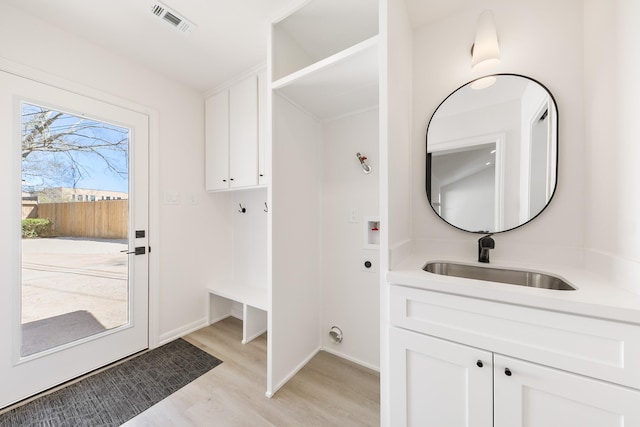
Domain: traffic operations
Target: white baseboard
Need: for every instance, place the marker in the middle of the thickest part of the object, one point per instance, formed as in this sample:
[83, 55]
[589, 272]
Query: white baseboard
[351, 359]
[302, 364]
[182, 331]
[217, 319]
[253, 337]
[278, 386]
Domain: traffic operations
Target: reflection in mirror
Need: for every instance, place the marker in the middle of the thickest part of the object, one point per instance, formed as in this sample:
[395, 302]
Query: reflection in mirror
[492, 155]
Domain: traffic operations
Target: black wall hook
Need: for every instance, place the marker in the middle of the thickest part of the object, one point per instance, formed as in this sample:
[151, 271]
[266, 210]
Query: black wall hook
[266, 208]
[242, 209]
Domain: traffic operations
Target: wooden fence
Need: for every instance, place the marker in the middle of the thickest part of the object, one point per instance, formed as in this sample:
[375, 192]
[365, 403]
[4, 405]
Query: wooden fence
[106, 219]
[29, 209]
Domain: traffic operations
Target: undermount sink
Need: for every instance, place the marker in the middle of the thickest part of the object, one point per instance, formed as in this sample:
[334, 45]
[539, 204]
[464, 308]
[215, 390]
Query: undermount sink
[500, 275]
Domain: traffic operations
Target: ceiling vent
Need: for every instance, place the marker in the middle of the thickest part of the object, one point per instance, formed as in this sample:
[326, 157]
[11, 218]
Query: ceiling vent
[172, 17]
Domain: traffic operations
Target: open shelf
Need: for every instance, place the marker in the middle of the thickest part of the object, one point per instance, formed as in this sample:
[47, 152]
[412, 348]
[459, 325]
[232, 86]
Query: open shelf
[342, 83]
[318, 30]
[250, 295]
[222, 297]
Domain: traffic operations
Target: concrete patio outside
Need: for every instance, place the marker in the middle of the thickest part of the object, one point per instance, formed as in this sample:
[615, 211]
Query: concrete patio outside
[65, 275]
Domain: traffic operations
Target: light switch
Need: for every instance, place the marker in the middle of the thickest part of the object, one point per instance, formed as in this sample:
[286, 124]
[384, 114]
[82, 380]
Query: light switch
[193, 198]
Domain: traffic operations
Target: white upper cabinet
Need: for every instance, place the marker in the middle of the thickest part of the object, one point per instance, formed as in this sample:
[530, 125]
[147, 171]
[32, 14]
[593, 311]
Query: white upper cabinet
[263, 128]
[217, 141]
[232, 141]
[243, 133]
[325, 57]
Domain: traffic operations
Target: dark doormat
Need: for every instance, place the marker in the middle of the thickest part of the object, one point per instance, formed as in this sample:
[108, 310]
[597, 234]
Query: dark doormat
[117, 394]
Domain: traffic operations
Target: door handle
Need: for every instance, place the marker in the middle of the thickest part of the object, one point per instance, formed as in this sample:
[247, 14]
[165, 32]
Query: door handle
[140, 250]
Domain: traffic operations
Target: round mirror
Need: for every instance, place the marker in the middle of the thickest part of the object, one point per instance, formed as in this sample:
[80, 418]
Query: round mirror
[492, 154]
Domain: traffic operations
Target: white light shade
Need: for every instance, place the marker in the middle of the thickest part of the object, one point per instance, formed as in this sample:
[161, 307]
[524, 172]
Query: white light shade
[485, 47]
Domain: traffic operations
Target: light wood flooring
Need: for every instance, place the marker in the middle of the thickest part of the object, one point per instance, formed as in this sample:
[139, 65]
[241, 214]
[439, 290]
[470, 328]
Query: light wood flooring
[329, 391]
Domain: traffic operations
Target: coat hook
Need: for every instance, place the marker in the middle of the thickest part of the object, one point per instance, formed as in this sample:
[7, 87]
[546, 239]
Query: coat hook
[242, 209]
[365, 167]
[266, 208]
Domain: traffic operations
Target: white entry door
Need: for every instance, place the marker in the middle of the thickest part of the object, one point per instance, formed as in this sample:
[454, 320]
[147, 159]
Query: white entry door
[73, 235]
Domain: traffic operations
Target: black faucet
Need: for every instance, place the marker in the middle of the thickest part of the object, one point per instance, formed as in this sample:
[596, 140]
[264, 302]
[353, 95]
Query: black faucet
[485, 244]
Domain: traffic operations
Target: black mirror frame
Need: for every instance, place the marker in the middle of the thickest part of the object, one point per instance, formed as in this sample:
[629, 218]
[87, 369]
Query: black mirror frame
[429, 155]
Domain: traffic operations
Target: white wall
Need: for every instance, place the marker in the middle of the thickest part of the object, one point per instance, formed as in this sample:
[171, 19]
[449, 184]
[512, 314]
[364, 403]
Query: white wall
[187, 250]
[539, 39]
[484, 121]
[533, 98]
[249, 245]
[296, 276]
[350, 296]
[477, 190]
[396, 91]
[396, 126]
[494, 119]
[612, 103]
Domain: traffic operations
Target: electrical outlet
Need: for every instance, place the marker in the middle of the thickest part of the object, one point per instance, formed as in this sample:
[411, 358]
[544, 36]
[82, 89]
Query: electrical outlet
[171, 198]
[352, 215]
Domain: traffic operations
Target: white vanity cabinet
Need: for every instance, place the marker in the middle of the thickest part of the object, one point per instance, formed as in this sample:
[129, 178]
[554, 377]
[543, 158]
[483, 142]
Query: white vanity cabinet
[538, 368]
[537, 396]
[439, 383]
[232, 137]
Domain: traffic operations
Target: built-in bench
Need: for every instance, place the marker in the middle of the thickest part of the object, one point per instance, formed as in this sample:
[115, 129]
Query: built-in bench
[254, 307]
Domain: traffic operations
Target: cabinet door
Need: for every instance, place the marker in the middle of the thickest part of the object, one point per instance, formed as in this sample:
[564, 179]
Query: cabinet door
[263, 128]
[217, 141]
[537, 396]
[439, 383]
[243, 133]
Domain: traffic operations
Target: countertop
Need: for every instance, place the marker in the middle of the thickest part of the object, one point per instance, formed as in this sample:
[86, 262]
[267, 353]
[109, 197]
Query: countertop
[595, 296]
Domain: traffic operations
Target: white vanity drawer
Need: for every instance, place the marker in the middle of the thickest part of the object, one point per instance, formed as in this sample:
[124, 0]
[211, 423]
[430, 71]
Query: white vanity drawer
[594, 347]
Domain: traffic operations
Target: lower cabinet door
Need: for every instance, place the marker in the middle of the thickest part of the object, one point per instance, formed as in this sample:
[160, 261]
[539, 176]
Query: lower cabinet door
[531, 395]
[439, 383]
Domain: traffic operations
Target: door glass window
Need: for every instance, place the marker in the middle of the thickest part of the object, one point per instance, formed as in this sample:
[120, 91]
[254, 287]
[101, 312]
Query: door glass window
[75, 213]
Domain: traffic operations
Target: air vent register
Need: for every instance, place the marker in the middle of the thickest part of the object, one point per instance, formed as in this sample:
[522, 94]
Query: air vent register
[172, 17]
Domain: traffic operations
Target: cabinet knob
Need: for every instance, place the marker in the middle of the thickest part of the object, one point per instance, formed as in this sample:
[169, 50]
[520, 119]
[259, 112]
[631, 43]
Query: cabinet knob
[224, 180]
[507, 372]
[479, 364]
[230, 179]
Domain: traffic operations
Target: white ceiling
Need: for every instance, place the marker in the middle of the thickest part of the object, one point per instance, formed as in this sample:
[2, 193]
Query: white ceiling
[230, 38]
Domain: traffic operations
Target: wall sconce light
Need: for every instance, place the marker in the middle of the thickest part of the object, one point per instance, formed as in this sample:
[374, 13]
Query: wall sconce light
[485, 49]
